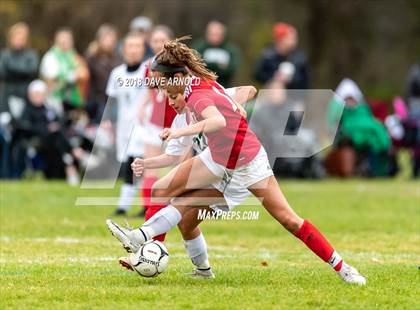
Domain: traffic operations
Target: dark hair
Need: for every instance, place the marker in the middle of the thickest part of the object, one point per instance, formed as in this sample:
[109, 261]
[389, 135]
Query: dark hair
[177, 54]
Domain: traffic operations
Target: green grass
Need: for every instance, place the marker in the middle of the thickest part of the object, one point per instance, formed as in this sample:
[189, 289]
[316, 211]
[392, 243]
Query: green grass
[55, 255]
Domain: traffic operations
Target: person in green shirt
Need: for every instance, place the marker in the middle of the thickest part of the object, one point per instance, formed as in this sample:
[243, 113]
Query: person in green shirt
[65, 71]
[221, 56]
[358, 127]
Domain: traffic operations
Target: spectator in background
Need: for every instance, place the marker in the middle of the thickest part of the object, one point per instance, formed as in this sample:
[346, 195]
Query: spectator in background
[43, 128]
[128, 99]
[283, 61]
[65, 72]
[362, 142]
[220, 55]
[101, 58]
[18, 66]
[143, 25]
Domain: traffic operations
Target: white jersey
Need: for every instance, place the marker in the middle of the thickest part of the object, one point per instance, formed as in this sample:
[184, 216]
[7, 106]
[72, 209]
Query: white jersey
[122, 85]
[178, 147]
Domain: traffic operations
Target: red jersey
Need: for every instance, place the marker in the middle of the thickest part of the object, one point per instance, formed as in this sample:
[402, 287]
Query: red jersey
[162, 114]
[234, 145]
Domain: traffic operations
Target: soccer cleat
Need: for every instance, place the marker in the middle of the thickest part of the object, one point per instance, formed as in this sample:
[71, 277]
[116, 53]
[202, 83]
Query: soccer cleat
[350, 275]
[202, 274]
[125, 262]
[125, 236]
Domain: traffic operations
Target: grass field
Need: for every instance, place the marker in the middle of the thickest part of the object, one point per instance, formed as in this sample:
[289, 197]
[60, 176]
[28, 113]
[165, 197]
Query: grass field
[58, 256]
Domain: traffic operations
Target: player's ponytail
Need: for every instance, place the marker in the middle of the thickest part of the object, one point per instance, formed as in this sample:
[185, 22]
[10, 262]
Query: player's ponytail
[177, 54]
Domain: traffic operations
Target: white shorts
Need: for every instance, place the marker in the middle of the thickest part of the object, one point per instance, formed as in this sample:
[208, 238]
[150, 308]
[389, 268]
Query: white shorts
[152, 133]
[235, 182]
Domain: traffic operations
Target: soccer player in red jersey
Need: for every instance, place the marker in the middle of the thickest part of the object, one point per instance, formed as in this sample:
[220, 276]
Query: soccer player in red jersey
[234, 154]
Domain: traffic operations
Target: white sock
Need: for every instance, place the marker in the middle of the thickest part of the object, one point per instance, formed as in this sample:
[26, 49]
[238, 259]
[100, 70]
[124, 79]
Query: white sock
[127, 194]
[161, 222]
[197, 251]
[335, 261]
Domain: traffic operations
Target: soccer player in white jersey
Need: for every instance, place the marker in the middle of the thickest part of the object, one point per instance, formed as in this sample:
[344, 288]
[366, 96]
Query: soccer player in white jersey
[178, 149]
[122, 90]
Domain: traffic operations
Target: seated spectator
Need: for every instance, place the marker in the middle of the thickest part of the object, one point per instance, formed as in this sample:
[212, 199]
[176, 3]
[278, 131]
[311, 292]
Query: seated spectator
[220, 55]
[101, 58]
[65, 72]
[18, 66]
[362, 142]
[283, 61]
[41, 128]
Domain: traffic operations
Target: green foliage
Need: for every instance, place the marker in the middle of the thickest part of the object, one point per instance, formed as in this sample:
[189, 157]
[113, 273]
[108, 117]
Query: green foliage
[372, 42]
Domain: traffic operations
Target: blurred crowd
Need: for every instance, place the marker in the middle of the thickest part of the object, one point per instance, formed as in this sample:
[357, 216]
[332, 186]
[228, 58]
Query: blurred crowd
[53, 106]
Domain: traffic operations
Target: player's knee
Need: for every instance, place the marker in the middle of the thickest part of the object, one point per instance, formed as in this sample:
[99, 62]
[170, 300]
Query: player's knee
[159, 195]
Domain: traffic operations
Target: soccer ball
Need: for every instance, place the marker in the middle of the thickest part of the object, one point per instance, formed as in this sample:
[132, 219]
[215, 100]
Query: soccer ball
[151, 259]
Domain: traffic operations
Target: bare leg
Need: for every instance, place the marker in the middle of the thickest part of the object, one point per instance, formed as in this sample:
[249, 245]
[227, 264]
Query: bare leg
[189, 224]
[276, 204]
[190, 175]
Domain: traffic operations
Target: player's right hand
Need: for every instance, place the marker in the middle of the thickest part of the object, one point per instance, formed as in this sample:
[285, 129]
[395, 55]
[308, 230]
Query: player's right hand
[138, 166]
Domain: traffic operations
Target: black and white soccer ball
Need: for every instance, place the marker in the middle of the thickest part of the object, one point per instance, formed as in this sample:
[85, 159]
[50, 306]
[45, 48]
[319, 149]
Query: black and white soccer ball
[151, 259]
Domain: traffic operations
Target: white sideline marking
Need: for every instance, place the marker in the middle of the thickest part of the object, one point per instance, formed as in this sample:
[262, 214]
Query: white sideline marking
[87, 259]
[110, 240]
[262, 253]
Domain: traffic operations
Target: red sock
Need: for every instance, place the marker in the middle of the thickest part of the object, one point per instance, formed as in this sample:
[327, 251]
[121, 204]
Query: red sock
[147, 190]
[315, 241]
[150, 211]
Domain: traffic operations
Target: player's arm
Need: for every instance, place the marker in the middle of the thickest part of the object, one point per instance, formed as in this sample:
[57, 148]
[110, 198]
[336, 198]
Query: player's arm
[176, 151]
[212, 121]
[165, 160]
[240, 95]
[243, 94]
[160, 161]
